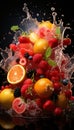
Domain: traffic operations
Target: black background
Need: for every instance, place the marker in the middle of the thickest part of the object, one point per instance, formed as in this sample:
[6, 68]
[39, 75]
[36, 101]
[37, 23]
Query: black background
[11, 14]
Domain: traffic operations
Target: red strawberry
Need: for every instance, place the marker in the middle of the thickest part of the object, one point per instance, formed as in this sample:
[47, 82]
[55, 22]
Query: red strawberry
[28, 81]
[26, 91]
[49, 105]
[24, 39]
[53, 42]
[37, 58]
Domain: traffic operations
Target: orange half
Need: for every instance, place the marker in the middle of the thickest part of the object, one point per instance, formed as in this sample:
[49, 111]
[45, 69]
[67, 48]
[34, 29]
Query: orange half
[16, 74]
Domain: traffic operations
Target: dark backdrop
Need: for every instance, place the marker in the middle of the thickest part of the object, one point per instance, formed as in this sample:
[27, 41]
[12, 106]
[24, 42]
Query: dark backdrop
[11, 14]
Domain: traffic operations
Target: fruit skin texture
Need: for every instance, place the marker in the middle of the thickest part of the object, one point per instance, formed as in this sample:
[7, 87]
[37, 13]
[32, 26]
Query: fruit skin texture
[62, 100]
[18, 105]
[43, 88]
[6, 98]
[49, 106]
[40, 46]
[58, 111]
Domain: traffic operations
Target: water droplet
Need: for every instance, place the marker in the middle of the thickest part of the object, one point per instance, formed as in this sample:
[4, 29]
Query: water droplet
[52, 9]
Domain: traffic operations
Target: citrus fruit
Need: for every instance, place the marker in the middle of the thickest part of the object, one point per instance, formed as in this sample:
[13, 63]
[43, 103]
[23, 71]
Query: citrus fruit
[62, 100]
[16, 74]
[6, 98]
[47, 24]
[18, 105]
[33, 37]
[43, 88]
[40, 46]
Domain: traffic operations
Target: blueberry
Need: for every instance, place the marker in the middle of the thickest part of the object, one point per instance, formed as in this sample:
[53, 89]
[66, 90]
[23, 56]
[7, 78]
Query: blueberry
[17, 92]
[30, 58]
[65, 82]
[26, 55]
[30, 73]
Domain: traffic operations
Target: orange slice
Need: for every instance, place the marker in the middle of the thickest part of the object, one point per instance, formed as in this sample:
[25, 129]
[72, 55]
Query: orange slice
[16, 74]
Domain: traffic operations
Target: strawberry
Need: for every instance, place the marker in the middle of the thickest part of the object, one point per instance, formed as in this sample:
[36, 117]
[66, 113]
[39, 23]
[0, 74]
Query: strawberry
[49, 105]
[37, 58]
[24, 39]
[53, 42]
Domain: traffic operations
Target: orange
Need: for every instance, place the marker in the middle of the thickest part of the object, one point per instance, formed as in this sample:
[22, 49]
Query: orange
[40, 46]
[16, 74]
[43, 87]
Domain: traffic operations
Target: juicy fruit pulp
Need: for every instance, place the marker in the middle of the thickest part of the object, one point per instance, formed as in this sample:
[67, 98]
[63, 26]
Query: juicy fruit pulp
[18, 105]
[16, 74]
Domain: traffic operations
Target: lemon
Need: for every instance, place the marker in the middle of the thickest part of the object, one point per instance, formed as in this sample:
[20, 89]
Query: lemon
[6, 98]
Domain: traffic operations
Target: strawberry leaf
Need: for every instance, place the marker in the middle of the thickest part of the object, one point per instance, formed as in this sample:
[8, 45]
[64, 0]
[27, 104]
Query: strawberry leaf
[51, 62]
[15, 28]
[48, 52]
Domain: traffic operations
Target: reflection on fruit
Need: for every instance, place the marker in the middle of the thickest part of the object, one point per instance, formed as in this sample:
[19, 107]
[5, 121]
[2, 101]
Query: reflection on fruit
[6, 122]
[33, 37]
[6, 98]
[40, 46]
[18, 105]
[16, 74]
[43, 87]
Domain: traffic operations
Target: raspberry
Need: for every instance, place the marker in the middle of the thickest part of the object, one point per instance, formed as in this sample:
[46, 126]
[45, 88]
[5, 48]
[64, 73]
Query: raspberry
[37, 58]
[57, 86]
[22, 61]
[43, 65]
[39, 71]
[13, 47]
